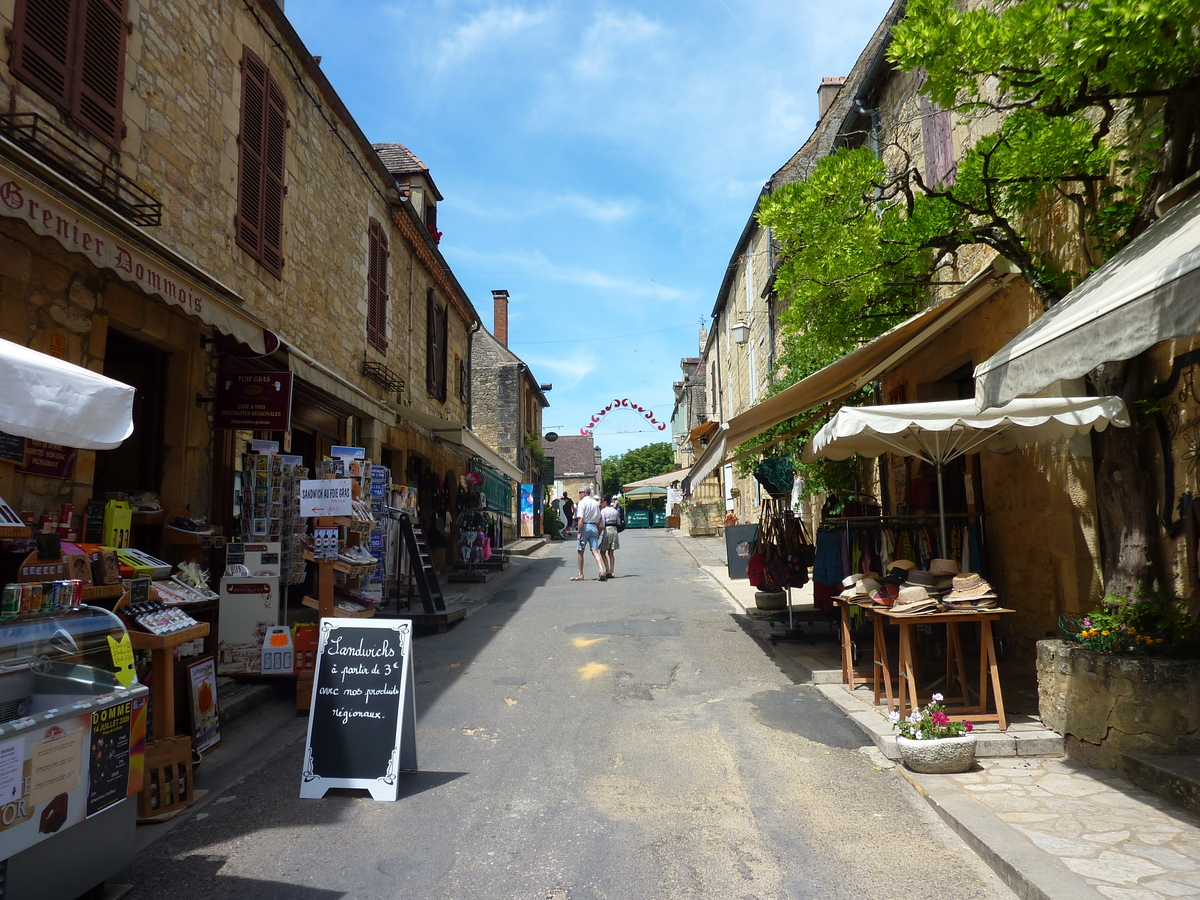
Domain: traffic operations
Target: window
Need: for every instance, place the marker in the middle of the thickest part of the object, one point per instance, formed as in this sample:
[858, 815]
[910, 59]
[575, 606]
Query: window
[261, 165]
[435, 346]
[72, 52]
[377, 279]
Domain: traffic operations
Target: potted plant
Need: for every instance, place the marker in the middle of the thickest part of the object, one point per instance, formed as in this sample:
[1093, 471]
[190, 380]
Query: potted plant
[931, 743]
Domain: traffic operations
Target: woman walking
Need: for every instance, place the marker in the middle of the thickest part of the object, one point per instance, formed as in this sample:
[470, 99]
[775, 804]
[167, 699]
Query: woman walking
[609, 541]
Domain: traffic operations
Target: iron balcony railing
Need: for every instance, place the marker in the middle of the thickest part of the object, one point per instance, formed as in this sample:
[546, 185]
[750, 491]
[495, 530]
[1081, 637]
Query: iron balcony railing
[63, 152]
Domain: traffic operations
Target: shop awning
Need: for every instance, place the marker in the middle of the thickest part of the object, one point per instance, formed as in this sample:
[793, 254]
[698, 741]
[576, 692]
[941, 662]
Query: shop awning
[646, 492]
[702, 432]
[142, 261]
[1145, 294]
[659, 481]
[55, 401]
[842, 378]
[458, 433]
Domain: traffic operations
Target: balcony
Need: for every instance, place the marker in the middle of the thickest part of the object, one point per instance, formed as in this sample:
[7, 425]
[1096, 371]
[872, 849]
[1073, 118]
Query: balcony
[63, 152]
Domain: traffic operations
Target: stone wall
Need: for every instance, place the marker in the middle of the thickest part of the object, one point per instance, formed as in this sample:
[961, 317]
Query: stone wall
[1107, 705]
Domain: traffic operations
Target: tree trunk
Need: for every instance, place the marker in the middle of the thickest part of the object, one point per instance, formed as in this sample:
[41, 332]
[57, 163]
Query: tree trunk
[1124, 496]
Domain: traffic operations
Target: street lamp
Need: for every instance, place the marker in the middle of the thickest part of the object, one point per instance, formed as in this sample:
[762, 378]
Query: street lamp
[741, 332]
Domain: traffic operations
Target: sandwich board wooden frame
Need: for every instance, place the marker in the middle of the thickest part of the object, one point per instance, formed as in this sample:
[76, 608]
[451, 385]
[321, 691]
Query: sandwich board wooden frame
[352, 743]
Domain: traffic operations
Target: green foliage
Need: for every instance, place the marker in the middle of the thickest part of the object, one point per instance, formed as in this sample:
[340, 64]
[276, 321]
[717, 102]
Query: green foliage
[699, 513]
[929, 722]
[636, 464]
[1154, 623]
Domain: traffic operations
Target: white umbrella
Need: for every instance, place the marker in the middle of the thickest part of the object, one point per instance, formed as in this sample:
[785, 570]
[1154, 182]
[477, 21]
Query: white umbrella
[52, 400]
[940, 432]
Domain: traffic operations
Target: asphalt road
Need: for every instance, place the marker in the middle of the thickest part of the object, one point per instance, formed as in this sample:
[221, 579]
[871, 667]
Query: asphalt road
[623, 740]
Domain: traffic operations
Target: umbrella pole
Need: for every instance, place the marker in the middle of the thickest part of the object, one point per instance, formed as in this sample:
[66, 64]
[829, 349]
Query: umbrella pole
[941, 509]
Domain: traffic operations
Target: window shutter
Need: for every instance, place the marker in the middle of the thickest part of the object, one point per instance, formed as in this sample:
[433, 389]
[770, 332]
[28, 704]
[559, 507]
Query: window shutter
[43, 34]
[100, 72]
[377, 287]
[274, 169]
[250, 153]
[443, 325]
[431, 344]
[464, 377]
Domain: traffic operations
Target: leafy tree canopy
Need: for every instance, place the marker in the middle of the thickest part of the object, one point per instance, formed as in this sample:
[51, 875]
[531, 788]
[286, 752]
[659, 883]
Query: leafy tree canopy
[636, 464]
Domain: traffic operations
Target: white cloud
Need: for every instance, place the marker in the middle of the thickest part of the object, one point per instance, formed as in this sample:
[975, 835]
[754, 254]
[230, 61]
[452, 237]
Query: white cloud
[538, 205]
[613, 42]
[485, 32]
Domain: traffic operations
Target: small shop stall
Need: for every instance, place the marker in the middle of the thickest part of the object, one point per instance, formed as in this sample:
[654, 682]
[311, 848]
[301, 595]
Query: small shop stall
[653, 517]
[72, 714]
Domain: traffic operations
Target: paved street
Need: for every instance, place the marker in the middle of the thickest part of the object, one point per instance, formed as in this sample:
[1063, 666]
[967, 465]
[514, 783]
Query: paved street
[616, 740]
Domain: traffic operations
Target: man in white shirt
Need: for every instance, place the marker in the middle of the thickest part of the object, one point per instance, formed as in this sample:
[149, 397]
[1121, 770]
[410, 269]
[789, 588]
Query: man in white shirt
[587, 523]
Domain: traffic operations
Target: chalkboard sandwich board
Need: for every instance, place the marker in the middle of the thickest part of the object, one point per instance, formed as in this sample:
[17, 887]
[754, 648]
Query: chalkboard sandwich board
[363, 716]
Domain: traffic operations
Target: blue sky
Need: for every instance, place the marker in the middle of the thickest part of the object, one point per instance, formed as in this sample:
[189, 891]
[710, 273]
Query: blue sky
[598, 160]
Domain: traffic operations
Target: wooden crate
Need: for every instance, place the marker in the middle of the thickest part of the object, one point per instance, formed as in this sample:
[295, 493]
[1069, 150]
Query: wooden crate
[167, 783]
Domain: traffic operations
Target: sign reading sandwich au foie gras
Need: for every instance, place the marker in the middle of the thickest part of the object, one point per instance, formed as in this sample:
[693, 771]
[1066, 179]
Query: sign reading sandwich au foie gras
[253, 401]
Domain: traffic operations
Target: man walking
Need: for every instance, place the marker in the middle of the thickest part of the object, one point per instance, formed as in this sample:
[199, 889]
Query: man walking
[587, 523]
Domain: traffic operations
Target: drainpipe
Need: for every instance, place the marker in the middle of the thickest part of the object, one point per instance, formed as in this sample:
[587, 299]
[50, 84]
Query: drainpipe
[873, 115]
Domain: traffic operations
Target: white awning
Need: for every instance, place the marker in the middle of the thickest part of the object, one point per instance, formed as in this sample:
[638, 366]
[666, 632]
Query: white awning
[940, 432]
[1149, 292]
[842, 378]
[659, 481]
[55, 401]
[458, 433]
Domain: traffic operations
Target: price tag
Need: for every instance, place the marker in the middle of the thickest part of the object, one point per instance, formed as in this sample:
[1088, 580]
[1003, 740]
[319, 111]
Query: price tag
[122, 657]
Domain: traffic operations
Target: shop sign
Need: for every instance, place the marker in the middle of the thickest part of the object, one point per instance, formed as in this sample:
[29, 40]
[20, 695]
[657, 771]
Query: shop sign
[348, 452]
[362, 719]
[326, 497]
[47, 460]
[253, 401]
[51, 217]
[12, 447]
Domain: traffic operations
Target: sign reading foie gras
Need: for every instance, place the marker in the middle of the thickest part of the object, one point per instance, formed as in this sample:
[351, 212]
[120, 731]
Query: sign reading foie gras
[253, 401]
[326, 497]
[363, 716]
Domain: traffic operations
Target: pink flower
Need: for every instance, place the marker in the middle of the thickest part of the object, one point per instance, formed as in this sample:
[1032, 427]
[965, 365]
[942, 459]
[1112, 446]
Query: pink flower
[940, 719]
[969, 727]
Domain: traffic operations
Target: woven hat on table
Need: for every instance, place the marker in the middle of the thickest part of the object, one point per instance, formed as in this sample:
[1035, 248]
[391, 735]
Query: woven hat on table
[970, 586]
[864, 587]
[896, 575]
[855, 577]
[913, 599]
[944, 567]
[906, 564]
[924, 579]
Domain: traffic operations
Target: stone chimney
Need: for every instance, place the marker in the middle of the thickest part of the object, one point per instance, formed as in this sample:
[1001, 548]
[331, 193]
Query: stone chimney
[500, 316]
[830, 85]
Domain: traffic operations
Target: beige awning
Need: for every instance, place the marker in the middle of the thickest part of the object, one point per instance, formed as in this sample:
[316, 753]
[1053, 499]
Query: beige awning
[1145, 294]
[842, 378]
[663, 481]
[458, 433]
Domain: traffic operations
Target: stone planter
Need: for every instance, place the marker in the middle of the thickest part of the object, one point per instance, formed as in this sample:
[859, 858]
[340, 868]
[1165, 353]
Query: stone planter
[1107, 705]
[938, 756]
[702, 530]
[770, 599]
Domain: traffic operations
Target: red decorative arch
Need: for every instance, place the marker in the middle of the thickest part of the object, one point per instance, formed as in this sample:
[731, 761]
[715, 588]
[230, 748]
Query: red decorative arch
[623, 404]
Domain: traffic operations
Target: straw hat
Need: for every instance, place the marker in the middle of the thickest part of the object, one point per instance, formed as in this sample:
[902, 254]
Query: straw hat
[927, 580]
[905, 564]
[944, 567]
[863, 587]
[854, 578]
[914, 599]
[970, 586]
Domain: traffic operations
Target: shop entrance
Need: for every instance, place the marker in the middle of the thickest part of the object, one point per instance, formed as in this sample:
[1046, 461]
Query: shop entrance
[135, 467]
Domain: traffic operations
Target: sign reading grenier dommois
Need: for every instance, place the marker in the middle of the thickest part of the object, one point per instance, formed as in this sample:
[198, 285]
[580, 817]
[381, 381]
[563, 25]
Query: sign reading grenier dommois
[253, 401]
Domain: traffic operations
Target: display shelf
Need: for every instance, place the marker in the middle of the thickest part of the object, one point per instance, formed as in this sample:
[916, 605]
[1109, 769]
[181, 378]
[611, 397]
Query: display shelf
[141, 640]
[338, 612]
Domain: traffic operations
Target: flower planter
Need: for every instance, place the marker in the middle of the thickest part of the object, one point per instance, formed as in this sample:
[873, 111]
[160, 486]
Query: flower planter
[770, 599]
[938, 756]
[702, 530]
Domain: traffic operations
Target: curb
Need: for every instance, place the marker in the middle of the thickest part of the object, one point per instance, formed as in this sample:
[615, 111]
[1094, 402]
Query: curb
[1031, 874]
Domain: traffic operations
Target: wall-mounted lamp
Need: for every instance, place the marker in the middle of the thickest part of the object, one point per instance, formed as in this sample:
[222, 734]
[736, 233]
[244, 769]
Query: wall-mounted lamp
[741, 332]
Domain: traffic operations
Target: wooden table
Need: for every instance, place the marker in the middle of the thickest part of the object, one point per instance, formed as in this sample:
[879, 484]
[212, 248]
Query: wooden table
[849, 675]
[957, 707]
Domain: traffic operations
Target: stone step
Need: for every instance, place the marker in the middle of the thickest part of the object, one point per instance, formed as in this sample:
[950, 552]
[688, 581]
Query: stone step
[1174, 778]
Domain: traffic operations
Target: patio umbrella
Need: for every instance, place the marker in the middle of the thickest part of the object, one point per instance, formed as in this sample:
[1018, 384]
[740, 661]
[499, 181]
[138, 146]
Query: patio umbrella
[646, 492]
[937, 433]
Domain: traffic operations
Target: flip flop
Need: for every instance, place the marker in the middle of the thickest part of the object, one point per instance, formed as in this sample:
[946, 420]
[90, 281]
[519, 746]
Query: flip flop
[577, 578]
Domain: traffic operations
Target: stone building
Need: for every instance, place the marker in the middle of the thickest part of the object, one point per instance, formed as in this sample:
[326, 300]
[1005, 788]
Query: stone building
[689, 411]
[576, 465]
[186, 195]
[507, 409]
[1043, 571]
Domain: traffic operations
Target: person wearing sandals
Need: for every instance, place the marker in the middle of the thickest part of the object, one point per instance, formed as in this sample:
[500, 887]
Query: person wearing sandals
[609, 542]
[587, 523]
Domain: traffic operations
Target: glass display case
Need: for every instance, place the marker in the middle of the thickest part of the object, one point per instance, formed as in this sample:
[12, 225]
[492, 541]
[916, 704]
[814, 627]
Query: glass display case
[72, 742]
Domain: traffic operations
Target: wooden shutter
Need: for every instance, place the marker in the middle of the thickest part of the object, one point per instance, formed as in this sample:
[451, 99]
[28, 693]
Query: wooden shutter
[431, 342]
[42, 37]
[274, 168]
[443, 320]
[464, 379]
[250, 153]
[100, 71]
[377, 258]
[262, 165]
